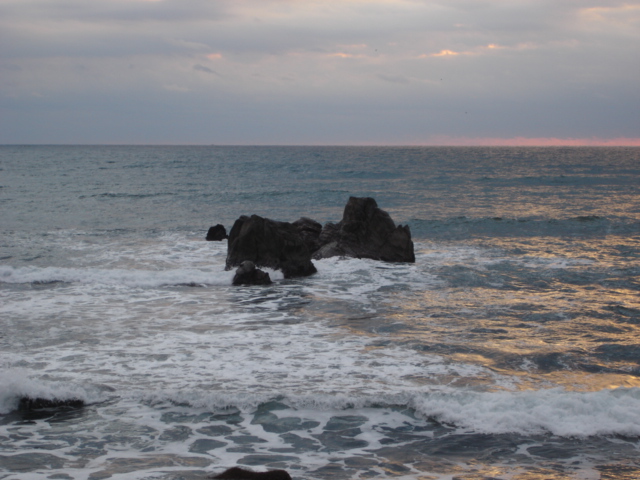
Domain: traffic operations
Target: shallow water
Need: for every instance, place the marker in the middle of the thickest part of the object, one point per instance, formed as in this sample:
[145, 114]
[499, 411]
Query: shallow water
[508, 350]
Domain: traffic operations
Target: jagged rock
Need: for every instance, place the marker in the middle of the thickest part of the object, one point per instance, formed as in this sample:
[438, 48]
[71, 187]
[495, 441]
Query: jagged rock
[366, 231]
[271, 244]
[217, 233]
[309, 231]
[248, 274]
[237, 473]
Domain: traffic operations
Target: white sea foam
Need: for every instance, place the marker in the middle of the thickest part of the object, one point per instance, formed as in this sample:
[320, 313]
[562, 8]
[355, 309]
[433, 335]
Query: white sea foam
[356, 279]
[129, 278]
[17, 383]
[556, 411]
[258, 353]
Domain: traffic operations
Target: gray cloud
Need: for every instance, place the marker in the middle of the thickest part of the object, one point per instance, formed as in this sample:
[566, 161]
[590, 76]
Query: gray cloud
[201, 68]
[327, 72]
[103, 11]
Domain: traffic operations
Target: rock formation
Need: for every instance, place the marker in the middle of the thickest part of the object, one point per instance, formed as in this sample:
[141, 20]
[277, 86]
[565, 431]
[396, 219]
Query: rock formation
[366, 231]
[271, 244]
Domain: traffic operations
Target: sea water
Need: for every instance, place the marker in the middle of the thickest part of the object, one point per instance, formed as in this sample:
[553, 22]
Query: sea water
[509, 350]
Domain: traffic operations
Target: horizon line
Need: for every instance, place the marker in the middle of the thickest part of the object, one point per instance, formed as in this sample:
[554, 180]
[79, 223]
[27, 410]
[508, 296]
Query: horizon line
[434, 141]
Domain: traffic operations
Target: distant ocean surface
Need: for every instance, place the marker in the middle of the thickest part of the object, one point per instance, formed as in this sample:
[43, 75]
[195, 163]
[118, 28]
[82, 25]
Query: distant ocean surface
[509, 350]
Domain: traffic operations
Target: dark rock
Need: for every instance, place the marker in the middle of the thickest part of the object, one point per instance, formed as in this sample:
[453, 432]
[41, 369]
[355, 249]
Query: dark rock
[217, 233]
[366, 231]
[237, 473]
[248, 274]
[271, 244]
[309, 231]
[28, 404]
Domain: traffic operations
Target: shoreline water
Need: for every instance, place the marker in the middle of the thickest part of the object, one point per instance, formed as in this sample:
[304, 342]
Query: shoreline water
[508, 350]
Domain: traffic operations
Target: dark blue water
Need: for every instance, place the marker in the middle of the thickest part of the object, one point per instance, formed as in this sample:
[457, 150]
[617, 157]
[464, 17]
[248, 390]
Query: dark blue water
[509, 350]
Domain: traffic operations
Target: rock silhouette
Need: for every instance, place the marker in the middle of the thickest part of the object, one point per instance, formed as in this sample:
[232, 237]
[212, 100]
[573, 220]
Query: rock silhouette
[366, 231]
[28, 403]
[309, 230]
[271, 244]
[237, 473]
[217, 233]
[248, 274]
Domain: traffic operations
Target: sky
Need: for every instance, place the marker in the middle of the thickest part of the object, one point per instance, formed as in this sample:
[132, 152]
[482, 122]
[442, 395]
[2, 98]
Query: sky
[320, 72]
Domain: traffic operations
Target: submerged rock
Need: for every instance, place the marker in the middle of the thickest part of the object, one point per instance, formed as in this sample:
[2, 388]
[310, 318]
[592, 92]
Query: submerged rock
[271, 244]
[217, 233]
[237, 473]
[366, 231]
[28, 403]
[248, 274]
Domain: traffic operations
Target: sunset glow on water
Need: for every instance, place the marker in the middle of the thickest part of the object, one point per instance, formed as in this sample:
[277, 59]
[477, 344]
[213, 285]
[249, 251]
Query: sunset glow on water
[508, 349]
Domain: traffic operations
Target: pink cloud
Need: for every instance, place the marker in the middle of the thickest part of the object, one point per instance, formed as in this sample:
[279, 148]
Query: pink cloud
[534, 141]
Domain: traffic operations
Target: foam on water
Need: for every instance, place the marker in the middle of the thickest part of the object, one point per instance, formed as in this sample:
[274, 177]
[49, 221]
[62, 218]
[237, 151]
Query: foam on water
[128, 278]
[508, 350]
[17, 383]
[293, 359]
[556, 411]
[553, 411]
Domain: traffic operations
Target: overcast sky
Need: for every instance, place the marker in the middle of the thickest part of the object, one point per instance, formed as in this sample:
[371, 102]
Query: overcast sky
[392, 72]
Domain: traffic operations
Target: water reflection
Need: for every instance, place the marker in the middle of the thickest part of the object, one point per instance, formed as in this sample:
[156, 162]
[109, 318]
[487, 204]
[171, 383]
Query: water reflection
[548, 311]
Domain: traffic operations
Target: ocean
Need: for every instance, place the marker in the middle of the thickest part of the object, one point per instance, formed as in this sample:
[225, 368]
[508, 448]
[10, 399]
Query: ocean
[509, 350]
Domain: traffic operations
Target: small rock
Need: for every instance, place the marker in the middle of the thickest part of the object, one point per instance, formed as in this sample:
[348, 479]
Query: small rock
[237, 473]
[27, 403]
[217, 233]
[248, 274]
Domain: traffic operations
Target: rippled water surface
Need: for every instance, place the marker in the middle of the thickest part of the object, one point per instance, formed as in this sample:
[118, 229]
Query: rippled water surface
[509, 350]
